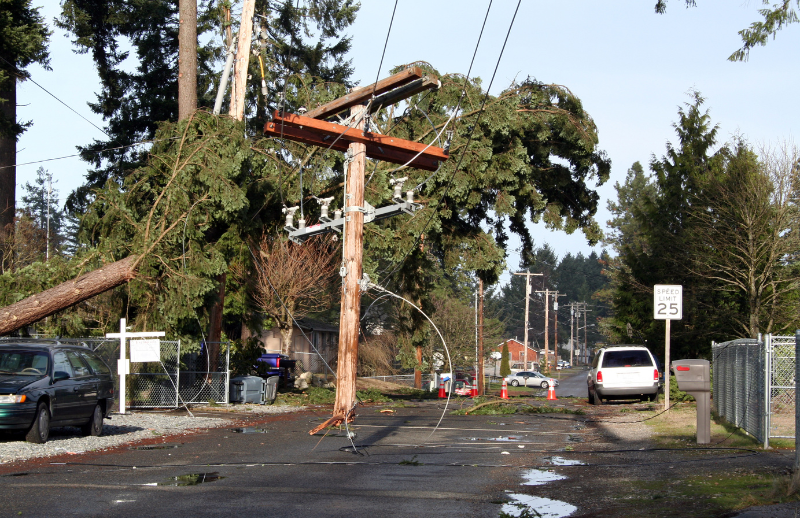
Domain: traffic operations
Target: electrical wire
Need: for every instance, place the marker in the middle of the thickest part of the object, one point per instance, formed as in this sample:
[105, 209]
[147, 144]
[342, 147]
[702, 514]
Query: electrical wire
[21, 74]
[385, 44]
[469, 138]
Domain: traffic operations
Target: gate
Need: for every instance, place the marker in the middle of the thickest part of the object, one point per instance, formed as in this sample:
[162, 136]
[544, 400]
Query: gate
[754, 385]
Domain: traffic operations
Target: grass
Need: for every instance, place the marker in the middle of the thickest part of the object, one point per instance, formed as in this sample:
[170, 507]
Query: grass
[678, 428]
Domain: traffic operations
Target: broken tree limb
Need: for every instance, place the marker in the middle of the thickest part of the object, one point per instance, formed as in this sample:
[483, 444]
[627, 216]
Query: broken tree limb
[46, 303]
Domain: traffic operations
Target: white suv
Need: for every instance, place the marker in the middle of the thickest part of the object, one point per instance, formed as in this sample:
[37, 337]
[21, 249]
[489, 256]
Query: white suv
[623, 372]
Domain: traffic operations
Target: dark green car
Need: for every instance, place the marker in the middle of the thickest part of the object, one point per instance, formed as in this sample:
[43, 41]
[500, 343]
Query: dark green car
[47, 384]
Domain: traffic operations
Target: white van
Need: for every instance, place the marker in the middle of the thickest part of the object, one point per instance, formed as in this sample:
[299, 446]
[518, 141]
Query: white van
[623, 372]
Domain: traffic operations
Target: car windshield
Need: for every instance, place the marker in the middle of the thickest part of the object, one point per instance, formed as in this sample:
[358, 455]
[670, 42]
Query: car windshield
[24, 363]
[631, 358]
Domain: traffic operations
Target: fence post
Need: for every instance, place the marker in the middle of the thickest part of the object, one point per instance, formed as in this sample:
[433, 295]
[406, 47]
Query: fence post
[767, 387]
[178, 375]
[796, 389]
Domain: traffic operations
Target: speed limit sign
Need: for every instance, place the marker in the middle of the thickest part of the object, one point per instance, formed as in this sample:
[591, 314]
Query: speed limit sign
[667, 302]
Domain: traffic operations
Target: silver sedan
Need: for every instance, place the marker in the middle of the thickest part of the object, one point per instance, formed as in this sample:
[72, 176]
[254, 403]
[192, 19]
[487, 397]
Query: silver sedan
[530, 379]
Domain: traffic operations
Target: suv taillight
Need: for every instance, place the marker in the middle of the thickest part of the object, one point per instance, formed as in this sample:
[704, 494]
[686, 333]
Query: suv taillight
[655, 375]
[277, 363]
[600, 376]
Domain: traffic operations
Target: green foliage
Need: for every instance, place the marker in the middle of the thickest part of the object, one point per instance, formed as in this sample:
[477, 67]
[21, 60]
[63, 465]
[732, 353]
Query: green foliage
[505, 367]
[23, 41]
[372, 396]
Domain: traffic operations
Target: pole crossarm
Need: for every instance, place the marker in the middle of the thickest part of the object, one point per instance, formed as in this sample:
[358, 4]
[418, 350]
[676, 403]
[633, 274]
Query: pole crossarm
[364, 94]
[337, 136]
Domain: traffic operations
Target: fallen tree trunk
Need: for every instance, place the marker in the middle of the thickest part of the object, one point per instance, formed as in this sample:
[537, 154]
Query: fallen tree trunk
[44, 304]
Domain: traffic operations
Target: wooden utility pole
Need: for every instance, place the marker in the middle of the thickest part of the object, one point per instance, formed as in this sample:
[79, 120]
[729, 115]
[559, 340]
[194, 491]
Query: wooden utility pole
[571, 333]
[242, 61]
[479, 373]
[527, 275]
[311, 129]
[547, 293]
[555, 318]
[353, 248]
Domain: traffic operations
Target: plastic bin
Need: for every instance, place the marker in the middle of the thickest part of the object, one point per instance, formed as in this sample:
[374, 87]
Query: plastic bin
[271, 391]
[248, 389]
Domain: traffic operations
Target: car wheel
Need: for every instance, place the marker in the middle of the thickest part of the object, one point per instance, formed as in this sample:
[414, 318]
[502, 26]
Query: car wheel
[514, 383]
[40, 429]
[95, 425]
[591, 395]
[545, 385]
[596, 399]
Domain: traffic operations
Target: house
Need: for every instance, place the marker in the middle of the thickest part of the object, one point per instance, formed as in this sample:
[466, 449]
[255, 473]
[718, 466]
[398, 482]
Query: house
[312, 342]
[515, 349]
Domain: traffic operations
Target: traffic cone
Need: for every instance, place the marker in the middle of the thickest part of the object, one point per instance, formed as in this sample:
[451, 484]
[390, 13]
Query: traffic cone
[442, 393]
[504, 390]
[551, 391]
[474, 389]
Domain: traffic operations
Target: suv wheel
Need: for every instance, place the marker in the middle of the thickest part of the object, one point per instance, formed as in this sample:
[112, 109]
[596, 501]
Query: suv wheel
[596, 399]
[40, 429]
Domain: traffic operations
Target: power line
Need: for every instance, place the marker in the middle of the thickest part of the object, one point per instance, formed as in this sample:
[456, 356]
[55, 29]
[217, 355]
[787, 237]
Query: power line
[472, 130]
[21, 74]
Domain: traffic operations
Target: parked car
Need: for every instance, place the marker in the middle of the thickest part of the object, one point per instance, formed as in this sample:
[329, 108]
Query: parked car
[623, 372]
[44, 384]
[530, 379]
[563, 364]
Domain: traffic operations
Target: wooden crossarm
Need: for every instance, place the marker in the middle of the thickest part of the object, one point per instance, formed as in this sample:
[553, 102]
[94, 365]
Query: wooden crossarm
[363, 95]
[381, 147]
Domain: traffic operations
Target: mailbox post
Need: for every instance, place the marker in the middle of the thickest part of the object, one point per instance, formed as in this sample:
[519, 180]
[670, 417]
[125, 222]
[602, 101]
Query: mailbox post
[694, 378]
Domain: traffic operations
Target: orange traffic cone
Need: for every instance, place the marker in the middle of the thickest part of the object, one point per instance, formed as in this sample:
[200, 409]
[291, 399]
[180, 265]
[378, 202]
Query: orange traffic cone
[474, 389]
[504, 390]
[442, 393]
[551, 391]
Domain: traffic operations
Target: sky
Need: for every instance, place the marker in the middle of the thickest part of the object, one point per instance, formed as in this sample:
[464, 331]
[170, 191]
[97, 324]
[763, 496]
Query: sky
[631, 68]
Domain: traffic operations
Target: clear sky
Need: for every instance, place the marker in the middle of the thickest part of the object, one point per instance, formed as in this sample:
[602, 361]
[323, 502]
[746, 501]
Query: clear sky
[631, 68]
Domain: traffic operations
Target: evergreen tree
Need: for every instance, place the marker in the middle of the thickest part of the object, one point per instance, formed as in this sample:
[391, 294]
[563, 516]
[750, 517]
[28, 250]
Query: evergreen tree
[23, 41]
[505, 364]
[41, 202]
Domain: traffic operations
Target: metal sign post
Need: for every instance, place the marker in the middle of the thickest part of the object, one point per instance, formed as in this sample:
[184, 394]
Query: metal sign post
[668, 306]
[124, 365]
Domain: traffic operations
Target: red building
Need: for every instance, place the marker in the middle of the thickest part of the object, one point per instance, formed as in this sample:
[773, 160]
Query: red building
[515, 349]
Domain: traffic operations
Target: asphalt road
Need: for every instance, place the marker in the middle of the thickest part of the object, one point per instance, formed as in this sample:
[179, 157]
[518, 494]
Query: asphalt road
[572, 383]
[467, 467]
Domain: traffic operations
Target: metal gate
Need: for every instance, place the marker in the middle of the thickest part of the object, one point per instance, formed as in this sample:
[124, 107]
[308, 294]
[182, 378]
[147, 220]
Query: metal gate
[754, 385]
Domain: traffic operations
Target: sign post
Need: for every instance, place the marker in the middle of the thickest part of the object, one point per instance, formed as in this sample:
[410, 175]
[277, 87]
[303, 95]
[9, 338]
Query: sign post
[668, 306]
[124, 365]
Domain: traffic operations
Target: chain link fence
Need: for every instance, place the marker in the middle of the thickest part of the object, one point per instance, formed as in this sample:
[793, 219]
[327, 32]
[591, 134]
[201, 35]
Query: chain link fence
[753, 385]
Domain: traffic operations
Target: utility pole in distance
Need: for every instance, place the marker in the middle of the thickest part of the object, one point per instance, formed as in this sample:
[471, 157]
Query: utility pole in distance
[555, 322]
[527, 275]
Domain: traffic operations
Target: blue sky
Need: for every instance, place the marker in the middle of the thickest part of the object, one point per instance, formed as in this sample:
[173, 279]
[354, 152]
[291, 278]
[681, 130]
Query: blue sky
[631, 68]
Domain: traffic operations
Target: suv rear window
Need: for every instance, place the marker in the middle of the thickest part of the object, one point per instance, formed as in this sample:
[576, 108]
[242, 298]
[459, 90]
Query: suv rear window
[632, 358]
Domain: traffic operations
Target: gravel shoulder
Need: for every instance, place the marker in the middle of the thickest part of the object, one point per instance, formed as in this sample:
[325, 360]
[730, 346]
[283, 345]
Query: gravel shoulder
[129, 428]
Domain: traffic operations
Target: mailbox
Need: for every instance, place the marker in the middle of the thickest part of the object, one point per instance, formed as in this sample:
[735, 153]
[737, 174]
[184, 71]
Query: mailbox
[694, 378]
[693, 375]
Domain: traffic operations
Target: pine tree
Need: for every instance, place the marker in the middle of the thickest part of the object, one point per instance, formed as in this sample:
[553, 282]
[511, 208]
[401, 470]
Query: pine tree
[505, 365]
[23, 41]
[41, 202]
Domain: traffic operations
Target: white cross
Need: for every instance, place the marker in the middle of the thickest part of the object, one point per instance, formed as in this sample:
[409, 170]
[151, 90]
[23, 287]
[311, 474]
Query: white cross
[124, 365]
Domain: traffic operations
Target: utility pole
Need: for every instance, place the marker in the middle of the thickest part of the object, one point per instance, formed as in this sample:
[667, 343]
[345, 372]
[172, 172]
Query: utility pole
[242, 60]
[479, 372]
[571, 333]
[527, 275]
[360, 143]
[353, 247]
[547, 293]
[49, 195]
[555, 318]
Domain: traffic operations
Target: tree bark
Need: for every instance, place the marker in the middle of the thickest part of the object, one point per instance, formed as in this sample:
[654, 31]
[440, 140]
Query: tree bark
[215, 324]
[46, 303]
[187, 58]
[8, 156]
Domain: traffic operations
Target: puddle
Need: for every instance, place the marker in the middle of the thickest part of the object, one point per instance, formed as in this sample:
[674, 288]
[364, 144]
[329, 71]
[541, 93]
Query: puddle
[527, 505]
[155, 447]
[249, 429]
[193, 479]
[539, 477]
[561, 461]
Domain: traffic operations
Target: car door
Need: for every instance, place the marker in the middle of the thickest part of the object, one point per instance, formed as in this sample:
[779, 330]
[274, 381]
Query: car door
[65, 405]
[86, 385]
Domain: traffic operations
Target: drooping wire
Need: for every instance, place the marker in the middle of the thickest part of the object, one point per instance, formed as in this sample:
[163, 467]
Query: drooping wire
[385, 44]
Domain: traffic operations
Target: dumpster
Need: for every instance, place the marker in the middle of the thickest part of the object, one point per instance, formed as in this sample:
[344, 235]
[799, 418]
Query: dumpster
[271, 389]
[248, 389]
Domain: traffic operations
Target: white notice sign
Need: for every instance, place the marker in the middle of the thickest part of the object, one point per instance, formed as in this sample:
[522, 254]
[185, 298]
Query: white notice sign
[146, 350]
[667, 302]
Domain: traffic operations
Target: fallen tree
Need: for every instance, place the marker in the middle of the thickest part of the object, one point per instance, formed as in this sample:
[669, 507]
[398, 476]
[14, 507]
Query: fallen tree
[67, 294]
